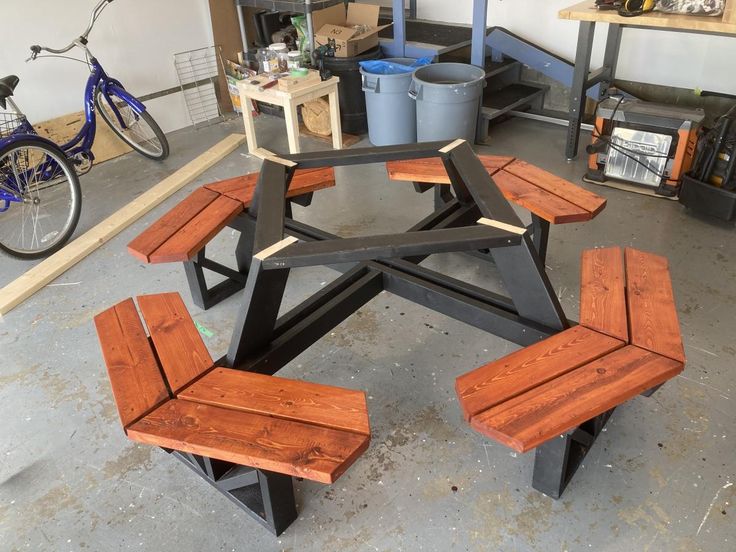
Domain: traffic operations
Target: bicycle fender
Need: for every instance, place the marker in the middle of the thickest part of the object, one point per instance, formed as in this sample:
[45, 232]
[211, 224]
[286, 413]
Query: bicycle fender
[118, 89]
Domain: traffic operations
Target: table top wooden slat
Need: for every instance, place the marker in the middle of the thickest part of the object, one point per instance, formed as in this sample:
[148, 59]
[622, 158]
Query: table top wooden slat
[527, 368]
[651, 304]
[586, 11]
[196, 233]
[160, 231]
[565, 402]
[296, 400]
[179, 346]
[293, 448]
[560, 187]
[548, 206]
[602, 293]
[135, 377]
[431, 170]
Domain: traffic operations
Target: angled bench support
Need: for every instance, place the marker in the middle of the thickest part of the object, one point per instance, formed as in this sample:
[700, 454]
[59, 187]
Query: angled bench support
[265, 496]
[557, 460]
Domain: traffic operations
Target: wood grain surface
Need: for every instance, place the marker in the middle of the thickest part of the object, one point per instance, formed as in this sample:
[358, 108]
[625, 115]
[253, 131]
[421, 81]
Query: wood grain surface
[301, 450]
[297, 400]
[548, 206]
[143, 246]
[135, 377]
[431, 170]
[522, 370]
[188, 240]
[602, 294]
[652, 312]
[560, 187]
[179, 346]
[565, 402]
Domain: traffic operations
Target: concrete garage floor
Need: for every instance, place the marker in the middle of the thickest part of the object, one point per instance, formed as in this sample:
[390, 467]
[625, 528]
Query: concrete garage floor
[659, 478]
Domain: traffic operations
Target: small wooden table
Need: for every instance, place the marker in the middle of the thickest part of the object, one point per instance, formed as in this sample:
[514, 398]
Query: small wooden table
[289, 101]
[588, 15]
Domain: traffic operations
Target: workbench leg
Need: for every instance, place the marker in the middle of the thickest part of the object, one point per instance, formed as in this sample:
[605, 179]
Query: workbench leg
[292, 126]
[610, 57]
[579, 81]
[478, 41]
[335, 119]
[250, 129]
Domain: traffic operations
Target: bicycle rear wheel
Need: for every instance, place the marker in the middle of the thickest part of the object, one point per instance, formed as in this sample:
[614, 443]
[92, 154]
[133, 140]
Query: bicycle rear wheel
[49, 199]
[139, 131]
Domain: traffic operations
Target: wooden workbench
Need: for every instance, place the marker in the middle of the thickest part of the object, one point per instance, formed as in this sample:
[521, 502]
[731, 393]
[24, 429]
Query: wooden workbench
[588, 16]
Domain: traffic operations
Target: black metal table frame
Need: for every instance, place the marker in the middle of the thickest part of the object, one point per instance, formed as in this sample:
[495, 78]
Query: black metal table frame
[477, 217]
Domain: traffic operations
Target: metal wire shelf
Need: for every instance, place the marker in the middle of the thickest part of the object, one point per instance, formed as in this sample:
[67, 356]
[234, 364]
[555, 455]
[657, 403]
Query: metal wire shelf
[197, 71]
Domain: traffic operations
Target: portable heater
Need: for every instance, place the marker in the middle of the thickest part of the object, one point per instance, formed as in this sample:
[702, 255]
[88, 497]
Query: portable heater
[642, 143]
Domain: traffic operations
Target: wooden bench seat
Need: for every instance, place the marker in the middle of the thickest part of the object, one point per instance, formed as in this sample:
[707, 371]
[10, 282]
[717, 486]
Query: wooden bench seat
[185, 230]
[550, 197]
[169, 394]
[628, 342]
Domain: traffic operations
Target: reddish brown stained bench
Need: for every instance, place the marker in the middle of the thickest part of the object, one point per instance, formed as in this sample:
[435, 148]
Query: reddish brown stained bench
[191, 224]
[628, 342]
[550, 197]
[169, 394]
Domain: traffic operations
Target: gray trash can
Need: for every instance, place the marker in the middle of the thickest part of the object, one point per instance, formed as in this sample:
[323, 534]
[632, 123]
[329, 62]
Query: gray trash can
[392, 117]
[448, 98]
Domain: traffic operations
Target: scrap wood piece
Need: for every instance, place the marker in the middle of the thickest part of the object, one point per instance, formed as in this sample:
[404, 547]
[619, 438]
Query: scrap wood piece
[49, 269]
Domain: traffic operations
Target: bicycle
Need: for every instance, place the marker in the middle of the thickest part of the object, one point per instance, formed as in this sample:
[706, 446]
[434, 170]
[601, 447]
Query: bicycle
[39, 178]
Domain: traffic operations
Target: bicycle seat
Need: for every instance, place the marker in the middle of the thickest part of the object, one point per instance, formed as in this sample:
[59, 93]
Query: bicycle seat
[7, 87]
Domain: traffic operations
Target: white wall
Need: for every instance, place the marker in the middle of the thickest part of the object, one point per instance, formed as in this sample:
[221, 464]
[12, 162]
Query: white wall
[134, 40]
[671, 59]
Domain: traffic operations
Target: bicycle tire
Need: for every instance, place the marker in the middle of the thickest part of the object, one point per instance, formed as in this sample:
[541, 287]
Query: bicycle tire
[161, 153]
[59, 239]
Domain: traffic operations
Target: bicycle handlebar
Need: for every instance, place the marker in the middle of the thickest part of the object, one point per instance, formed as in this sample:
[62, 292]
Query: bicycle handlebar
[36, 49]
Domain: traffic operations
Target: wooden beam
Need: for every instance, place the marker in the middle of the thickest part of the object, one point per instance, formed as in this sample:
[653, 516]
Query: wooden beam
[49, 269]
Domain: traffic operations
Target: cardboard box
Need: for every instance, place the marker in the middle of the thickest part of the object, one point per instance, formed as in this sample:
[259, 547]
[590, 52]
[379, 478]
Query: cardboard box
[335, 23]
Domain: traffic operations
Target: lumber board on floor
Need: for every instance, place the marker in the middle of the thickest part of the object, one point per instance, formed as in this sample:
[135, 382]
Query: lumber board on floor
[49, 269]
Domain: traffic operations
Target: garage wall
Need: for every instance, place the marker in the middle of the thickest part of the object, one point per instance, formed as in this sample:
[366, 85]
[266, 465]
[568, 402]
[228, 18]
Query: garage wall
[134, 40]
[670, 59]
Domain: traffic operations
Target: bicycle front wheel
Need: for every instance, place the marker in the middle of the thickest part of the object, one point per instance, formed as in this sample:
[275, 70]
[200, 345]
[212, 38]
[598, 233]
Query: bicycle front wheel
[139, 131]
[46, 202]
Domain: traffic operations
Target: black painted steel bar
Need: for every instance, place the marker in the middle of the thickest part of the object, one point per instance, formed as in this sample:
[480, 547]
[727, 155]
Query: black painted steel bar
[389, 246]
[487, 196]
[304, 331]
[474, 312]
[360, 156]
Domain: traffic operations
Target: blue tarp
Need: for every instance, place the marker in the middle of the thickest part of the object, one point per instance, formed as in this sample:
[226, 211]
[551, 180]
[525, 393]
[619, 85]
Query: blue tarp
[382, 67]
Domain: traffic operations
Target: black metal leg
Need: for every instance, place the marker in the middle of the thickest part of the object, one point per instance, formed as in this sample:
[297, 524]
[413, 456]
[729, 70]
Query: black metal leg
[610, 58]
[267, 497]
[540, 236]
[205, 297]
[579, 81]
[556, 461]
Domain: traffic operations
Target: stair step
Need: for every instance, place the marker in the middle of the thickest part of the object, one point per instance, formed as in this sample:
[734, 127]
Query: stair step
[511, 97]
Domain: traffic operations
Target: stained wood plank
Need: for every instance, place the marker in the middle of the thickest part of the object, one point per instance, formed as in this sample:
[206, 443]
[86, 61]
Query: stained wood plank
[292, 448]
[431, 170]
[135, 377]
[241, 188]
[195, 234]
[565, 189]
[49, 269]
[179, 346]
[302, 401]
[602, 295]
[548, 206]
[651, 304]
[144, 245]
[522, 370]
[543, 413]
